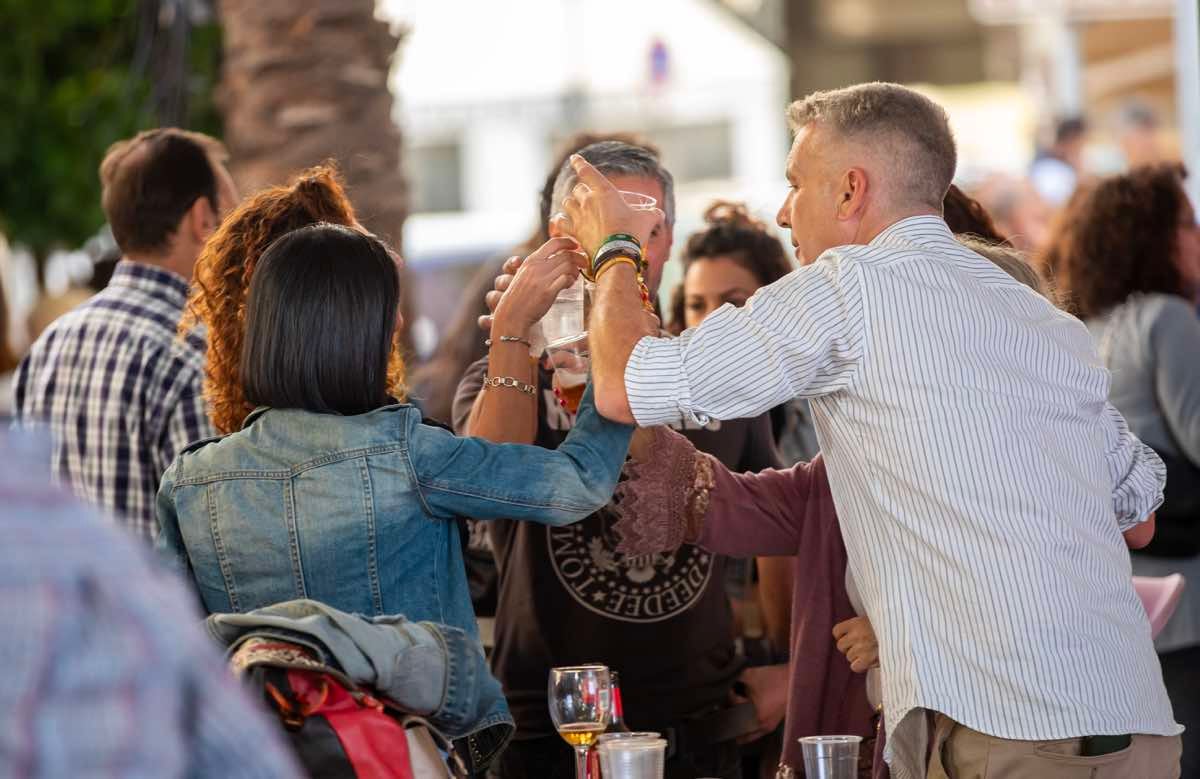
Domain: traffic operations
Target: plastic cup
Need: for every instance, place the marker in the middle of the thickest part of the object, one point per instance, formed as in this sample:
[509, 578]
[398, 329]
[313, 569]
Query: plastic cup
[571, 361]
[644, 735]
[637, 201]
[565, 318]
[830, 757]
[603, 738]
[632, 758]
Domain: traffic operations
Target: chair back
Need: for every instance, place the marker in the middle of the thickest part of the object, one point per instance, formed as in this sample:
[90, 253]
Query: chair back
[1160, 595]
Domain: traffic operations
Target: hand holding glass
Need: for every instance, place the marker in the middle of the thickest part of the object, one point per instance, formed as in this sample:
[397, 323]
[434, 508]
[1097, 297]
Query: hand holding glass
[635, 200]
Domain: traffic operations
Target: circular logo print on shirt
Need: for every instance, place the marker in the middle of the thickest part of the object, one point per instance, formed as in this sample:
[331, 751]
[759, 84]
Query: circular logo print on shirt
[631, 588]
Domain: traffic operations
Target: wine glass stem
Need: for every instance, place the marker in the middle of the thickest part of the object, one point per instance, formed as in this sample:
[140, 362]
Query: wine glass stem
[581, 762]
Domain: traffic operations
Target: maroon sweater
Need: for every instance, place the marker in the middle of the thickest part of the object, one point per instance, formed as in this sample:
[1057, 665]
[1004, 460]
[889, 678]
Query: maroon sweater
[680, 491]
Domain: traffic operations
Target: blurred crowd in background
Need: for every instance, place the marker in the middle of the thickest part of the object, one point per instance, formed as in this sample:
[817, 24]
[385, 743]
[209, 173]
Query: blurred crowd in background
[1074, 123]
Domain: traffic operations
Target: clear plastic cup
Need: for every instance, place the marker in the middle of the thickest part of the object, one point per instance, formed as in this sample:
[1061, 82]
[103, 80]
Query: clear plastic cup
[571, 362]
[637, 734]
[830, 757]
[637, 201]
[567, 315]
[632, 758]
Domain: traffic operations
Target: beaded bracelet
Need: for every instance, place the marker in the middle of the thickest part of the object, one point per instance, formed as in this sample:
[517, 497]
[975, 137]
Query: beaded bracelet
[614, 248]
[618, 260]
[614, 245]
[622, 237]
[644, 292]
[609, 252]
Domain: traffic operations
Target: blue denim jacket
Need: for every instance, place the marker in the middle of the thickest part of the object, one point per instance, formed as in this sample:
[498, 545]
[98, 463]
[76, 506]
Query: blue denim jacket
[357, 512]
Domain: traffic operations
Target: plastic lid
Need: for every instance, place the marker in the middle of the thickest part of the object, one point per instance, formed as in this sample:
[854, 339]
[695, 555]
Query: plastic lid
[632, 744]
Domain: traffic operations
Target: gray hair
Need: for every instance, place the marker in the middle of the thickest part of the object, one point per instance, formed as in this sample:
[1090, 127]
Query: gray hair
[911, 131]
[617, 158]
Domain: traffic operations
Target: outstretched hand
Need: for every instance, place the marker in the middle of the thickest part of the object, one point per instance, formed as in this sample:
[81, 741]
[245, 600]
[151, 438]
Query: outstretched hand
[595, 210]
[526, 288]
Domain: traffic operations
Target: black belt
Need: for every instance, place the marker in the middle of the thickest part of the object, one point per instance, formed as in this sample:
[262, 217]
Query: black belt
[707, 730]
[1104, 745]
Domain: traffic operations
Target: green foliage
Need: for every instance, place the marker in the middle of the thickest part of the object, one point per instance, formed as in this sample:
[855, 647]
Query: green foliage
[67, 91]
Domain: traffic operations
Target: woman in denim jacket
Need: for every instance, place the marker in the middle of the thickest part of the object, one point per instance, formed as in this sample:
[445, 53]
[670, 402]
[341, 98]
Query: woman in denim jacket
[331, 491]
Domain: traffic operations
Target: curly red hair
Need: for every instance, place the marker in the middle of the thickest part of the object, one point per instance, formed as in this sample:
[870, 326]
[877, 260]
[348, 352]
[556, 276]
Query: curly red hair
[225, 266]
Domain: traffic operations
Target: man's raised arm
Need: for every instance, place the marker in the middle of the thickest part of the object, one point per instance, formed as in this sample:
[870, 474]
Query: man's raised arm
[595, 211]
[802, 336]
[618, 323]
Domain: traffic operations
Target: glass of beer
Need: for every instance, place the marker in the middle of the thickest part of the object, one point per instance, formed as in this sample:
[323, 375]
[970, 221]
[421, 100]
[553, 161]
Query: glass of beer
[571, 362]
[580, 698]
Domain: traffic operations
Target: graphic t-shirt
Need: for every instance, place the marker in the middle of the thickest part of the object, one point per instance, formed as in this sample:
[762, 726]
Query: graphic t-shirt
[568, 597]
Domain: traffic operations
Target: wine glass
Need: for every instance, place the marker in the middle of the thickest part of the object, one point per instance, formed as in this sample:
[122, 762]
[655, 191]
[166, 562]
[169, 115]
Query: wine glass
[580, 699]
[571, 362]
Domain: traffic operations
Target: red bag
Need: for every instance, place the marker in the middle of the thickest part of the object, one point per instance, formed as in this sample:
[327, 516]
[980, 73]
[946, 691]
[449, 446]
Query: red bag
[337, 728]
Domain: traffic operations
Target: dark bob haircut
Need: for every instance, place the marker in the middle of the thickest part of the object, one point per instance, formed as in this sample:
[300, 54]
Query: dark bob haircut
[965, 215]
[320, 322]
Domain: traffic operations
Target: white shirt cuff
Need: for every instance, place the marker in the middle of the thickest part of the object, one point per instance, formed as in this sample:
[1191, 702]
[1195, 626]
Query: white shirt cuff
[656, 384]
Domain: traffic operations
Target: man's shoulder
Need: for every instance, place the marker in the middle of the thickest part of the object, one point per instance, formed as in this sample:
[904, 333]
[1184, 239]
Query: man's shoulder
[472, 378]
[133, 321]
[839, 264]
[469, 387]
[96, 342]
[845, 260]
[73, 324]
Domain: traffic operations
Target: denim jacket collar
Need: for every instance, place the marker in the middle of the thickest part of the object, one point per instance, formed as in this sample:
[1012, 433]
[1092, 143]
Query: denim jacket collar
[260, 410]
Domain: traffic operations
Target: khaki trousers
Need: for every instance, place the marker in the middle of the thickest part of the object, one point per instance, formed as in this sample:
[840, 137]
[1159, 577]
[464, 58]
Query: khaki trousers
[957, 752]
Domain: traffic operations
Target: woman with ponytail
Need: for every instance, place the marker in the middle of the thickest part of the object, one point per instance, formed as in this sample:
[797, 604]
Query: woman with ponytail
[226, 266]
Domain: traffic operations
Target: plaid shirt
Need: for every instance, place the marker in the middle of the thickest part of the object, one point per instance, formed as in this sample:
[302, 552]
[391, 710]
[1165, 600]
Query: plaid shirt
[120, 392]
[107, 671]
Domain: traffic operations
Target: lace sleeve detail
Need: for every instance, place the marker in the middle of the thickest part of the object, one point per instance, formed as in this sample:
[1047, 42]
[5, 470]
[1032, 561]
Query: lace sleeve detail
[662, 502]
[699, 496]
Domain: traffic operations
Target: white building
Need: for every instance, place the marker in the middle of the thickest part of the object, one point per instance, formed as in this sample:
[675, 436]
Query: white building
[486, 91]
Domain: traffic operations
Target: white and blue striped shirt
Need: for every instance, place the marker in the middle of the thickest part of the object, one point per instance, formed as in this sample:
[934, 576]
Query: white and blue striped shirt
[981, 478]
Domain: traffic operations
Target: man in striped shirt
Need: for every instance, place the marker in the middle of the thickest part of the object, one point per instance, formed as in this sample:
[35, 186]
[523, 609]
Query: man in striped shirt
[981, 478]
[121, 394]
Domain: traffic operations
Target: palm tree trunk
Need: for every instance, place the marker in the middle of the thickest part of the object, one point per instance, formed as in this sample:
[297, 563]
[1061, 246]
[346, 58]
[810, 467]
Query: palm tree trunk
[306, 81]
